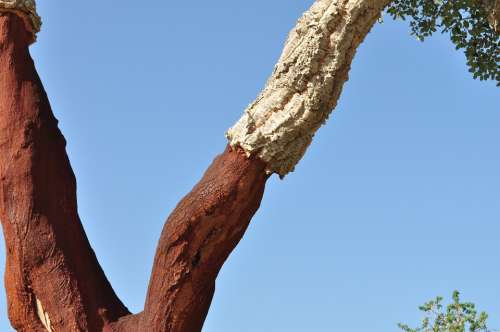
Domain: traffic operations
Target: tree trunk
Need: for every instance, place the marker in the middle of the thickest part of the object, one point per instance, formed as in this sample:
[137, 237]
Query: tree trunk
[53, 279]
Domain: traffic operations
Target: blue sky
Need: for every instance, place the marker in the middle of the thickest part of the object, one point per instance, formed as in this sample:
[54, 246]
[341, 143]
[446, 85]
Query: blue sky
[397, 200]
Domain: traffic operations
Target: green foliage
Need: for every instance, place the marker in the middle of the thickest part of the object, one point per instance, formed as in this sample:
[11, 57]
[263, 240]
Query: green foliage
[467, 23]
[457, 317]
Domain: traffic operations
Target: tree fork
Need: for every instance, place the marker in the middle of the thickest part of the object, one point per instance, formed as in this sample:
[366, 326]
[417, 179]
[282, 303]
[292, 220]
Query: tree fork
[53, 279]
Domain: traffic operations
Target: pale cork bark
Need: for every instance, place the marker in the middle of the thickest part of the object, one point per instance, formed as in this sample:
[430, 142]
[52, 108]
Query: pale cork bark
[306, 83]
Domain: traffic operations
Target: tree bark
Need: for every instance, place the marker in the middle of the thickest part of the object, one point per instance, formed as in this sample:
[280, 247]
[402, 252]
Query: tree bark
[306, 83]
[273, 133]
[53, 279]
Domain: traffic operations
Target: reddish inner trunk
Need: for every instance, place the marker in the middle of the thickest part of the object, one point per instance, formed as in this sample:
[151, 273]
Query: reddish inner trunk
[49, 259]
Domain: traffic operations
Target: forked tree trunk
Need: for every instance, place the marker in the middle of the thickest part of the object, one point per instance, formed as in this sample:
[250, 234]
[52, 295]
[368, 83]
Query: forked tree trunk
[53, 279]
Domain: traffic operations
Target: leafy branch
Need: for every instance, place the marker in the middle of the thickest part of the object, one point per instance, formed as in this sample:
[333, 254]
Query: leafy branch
[467, 23]
[456, 317]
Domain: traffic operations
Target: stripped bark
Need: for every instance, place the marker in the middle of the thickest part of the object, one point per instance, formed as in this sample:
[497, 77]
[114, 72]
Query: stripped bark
[198, 237]
[53, 279]
[277, 129]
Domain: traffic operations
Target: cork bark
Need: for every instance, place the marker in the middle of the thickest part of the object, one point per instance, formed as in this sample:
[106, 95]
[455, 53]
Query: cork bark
[306, 83]
[53, 279]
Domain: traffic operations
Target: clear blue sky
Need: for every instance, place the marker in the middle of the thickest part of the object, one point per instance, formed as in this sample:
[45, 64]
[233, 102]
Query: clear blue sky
[398, 199]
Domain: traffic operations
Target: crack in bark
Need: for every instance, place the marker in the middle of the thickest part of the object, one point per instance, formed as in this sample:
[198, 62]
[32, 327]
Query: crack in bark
[43, 316]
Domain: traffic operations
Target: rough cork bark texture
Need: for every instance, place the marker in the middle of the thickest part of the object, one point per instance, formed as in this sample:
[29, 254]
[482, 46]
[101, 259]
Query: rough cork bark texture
[53, 279]
[306, 83]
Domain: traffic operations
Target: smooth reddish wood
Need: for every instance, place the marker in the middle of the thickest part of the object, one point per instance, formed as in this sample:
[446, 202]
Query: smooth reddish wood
[48, 255]
[198, 237]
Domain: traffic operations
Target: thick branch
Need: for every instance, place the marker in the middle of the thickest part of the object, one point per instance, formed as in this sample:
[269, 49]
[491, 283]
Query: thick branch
[38, 187]
[306, 83]
[271, 137]
[198, 237]
[53, 279]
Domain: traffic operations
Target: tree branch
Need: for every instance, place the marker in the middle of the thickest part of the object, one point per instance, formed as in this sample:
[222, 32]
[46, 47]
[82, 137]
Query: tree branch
[53, 279]
[271, 137]
[306, 83]
[197, 239]
[43, 233]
